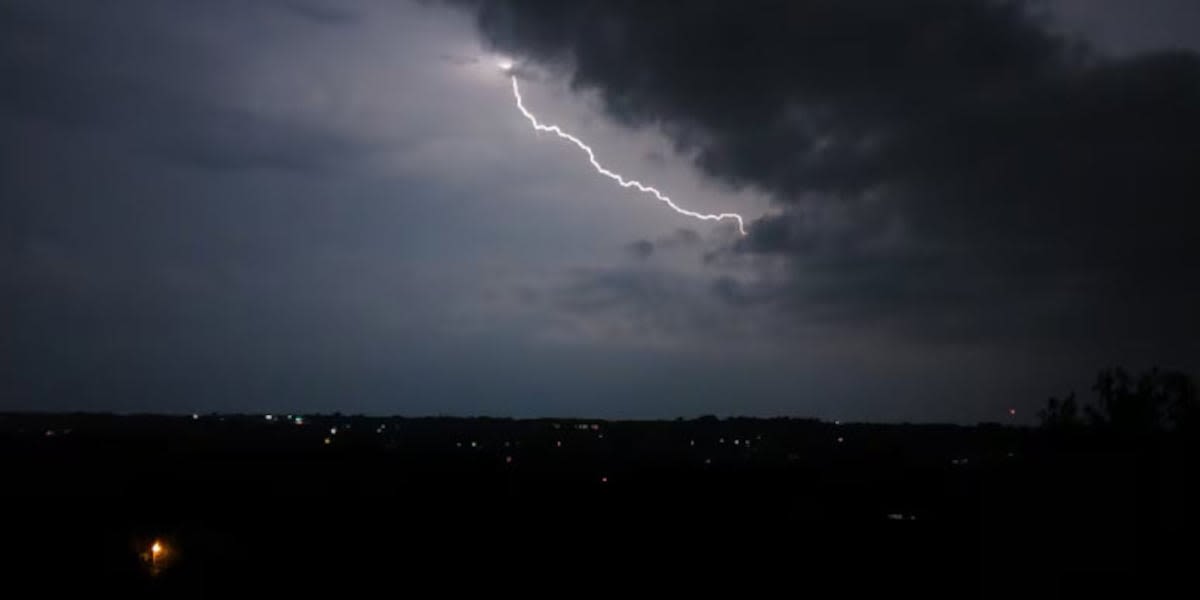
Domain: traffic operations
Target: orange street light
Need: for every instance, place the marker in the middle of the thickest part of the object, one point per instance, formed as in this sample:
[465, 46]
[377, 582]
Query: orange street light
[156, 552]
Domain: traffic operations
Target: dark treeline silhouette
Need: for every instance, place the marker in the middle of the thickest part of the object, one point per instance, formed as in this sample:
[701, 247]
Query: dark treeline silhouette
[1155, 401]
[1097, 503]
[1117, 474]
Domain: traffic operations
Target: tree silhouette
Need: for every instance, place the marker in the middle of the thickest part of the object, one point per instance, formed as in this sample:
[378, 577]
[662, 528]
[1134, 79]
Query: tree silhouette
[1121, 406]
[1154, 401]
[1182, 405]
[1060, 415]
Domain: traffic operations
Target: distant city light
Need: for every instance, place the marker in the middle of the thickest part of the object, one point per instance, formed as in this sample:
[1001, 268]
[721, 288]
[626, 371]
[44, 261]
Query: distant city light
[333, 431]
[604, 480]
[1012, 412]
[155, 556]
[195, 416]
[841, 439]
[270, 417]
[508, 459]
[328, 441]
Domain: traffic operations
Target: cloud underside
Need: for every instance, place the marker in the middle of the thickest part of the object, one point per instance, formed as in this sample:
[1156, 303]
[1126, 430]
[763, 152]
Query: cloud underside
[943, 169]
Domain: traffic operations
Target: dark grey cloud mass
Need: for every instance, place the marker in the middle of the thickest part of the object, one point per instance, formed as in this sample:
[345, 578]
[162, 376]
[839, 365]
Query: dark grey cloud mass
[282, 206]
[947, 171]
[333, 205]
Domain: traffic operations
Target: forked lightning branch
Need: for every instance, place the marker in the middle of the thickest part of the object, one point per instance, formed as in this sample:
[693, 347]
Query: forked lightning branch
[627, 183]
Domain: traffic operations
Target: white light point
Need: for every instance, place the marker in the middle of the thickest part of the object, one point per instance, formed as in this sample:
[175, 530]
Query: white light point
[507, 65]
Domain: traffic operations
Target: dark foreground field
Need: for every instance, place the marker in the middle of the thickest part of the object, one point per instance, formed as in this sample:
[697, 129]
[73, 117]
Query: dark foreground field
[243, 505]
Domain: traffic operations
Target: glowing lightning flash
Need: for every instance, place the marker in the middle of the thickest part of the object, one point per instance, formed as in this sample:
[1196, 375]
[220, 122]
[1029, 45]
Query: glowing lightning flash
[628, 183]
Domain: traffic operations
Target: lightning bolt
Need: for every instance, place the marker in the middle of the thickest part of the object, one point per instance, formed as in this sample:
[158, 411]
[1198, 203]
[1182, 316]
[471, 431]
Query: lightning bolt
[626, 183]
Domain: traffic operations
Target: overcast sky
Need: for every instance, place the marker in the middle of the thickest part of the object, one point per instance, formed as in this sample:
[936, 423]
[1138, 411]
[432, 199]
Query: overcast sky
[954, 206]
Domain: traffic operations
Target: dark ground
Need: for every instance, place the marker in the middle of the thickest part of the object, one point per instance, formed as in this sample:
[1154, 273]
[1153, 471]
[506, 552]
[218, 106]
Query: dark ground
[739, 507]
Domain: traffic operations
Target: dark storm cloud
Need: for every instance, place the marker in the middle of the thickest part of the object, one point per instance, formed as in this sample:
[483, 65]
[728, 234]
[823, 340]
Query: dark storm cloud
[642, 249]
[946, 169]
[739, 81]
[320, 11]
[658, 306]
[186, 219]
[459, 61]
[326, 204]
[680, 238]
[161, 87]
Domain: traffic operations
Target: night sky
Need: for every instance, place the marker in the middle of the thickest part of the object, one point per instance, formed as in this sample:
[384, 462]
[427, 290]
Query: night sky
[954, 207]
